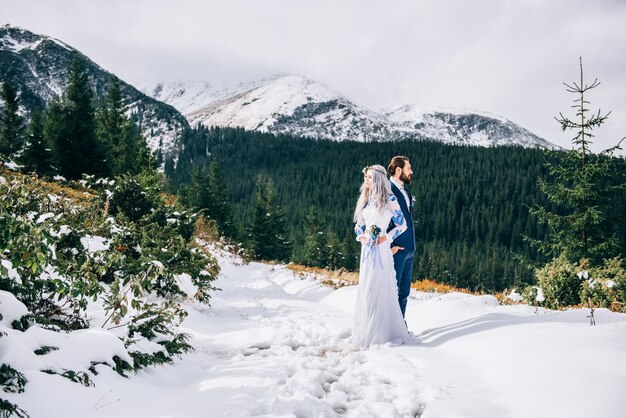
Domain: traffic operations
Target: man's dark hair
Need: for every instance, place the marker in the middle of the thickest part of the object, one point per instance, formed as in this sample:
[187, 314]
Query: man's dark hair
[399, 161]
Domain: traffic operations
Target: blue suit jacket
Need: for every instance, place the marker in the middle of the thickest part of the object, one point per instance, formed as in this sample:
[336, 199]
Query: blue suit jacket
[407, 238]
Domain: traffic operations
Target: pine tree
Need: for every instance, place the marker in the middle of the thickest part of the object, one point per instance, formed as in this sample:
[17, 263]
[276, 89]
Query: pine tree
[36, 157]
[198, 195]
[208, 193]
[259, 233]
[580, 187]
[315, 252]
[54, 132]
[268, 231]
[220, 208]
[110, 126]
[11, 124]
[335, 256]
[158, 160]
[126, 148]
[279, 244]
[169, 168]
[136, 151]
[71, 128]
[348, 249]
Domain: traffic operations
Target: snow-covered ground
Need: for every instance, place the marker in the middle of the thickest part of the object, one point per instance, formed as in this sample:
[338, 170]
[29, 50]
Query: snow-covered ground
[275, 345]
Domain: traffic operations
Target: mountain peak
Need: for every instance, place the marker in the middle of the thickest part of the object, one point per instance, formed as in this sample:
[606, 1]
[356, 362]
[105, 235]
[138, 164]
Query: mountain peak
[14, 38]
[296, 105]
[190, 97]
[414, 111]
[463, 126]
[291, 104]
[38, 65]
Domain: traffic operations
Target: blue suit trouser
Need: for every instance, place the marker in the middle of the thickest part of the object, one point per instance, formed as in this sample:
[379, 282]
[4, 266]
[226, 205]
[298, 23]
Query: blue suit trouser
[403, 264]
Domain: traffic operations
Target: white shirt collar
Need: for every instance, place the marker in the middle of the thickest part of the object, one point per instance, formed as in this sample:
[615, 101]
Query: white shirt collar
[402, 190]
[398, 185]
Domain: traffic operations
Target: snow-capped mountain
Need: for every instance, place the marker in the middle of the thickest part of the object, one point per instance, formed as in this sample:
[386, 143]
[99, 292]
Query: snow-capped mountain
[287, 104]
[296, 105]
[462, 126]
[38, 65]
[189, 96]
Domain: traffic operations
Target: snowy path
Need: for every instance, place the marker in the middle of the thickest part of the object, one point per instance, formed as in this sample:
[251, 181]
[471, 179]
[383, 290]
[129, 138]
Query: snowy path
[275, 345]
[281, 351]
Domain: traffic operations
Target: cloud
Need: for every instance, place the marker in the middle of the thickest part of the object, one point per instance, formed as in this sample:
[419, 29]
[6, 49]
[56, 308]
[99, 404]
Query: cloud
[508, 57]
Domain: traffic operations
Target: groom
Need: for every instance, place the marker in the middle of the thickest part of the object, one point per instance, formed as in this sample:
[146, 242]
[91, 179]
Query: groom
[403, 247]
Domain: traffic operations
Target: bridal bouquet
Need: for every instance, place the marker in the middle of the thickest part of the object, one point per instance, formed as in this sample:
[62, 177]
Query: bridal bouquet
[373, 232]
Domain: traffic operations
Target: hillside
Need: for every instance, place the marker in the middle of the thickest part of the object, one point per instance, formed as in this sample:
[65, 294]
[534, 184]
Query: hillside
[38, 65]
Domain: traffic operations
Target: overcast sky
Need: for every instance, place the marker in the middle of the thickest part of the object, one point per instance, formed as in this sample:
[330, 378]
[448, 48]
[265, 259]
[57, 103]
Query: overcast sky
[508, 57]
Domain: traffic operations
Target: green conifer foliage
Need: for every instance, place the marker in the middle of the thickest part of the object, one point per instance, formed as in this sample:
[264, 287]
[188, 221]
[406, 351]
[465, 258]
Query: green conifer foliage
[54, 132]
[149, 244]
[11, 123]
[582, 187]
[268, 231]
[71, 129]
[208, 193]
[316, 249]
[37, 156]
[335, 255]
[127, 151]
[220, 208]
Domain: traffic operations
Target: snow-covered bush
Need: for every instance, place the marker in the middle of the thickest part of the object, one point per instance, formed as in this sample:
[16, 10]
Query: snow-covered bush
[151, 245]
[606, 285]
[566, 284]
[595, 293]
[60, 254]
[11, 381]
[32, 224]
[560, 284]
[533, 295]
[156, 246]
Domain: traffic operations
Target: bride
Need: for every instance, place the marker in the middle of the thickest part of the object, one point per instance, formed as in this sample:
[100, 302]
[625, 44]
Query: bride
[377, 317]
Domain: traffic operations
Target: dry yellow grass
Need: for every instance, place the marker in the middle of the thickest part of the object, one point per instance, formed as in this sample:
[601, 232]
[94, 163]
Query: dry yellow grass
[427, 285]
[332, 278]
[169, 199]
[338, 278]
[206, 230]
[74, 193]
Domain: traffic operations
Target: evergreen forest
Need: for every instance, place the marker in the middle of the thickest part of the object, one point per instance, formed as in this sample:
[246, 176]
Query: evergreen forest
[472, 203]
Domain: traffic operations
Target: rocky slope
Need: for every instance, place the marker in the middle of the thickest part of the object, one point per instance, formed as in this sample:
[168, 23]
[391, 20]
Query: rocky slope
[38, 65]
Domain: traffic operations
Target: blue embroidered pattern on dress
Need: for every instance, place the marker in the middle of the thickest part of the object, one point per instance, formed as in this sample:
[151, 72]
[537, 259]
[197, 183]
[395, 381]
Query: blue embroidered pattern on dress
[398, 219]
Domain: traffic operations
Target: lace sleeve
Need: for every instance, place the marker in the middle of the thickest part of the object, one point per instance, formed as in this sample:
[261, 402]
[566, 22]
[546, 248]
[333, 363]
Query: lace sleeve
[359, 227]
[397, 217]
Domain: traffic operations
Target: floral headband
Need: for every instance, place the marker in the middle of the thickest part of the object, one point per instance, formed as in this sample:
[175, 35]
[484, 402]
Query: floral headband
[368, 167]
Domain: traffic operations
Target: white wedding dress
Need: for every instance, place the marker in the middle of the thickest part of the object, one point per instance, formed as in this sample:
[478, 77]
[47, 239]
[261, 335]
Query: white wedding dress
[377, 316]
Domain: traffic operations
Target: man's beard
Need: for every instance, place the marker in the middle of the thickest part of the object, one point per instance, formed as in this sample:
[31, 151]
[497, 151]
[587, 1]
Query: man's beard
[406, 179]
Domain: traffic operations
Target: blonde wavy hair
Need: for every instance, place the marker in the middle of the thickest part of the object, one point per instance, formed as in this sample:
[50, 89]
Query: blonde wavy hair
[376, 195]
